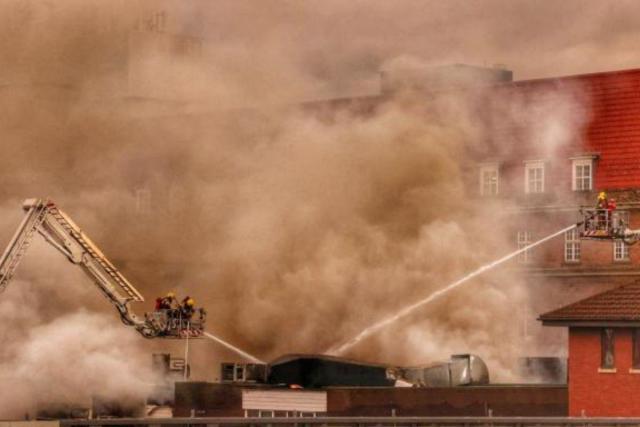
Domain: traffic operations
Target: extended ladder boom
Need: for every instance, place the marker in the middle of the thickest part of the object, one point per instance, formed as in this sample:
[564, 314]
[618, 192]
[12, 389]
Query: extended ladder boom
[61, 232]
[20, 242]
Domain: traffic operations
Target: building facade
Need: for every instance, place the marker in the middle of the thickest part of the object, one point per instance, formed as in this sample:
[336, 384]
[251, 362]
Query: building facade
[551, 146]
[604, 352]
[560, 165]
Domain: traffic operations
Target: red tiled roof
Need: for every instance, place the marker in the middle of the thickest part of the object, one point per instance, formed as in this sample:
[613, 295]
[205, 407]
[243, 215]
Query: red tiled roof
[619, 304]
[613, 128]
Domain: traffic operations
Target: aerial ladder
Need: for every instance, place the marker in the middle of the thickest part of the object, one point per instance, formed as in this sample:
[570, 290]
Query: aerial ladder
[44, 217]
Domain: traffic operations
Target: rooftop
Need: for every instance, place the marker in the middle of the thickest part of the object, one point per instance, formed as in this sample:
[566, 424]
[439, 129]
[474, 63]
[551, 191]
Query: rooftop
[621, 304]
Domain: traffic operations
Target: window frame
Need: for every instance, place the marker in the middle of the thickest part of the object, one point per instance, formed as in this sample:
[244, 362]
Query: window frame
[574, 175]
[143, 200]
[572, 246]
[530, 165]
[524, 238]
[635, 348]
[490, 167]
[606, 344]
[624, 251]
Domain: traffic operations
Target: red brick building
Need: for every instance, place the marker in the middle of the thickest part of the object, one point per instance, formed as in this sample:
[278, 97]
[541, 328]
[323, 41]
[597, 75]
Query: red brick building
[548, 187]
[604, 352]
[596, 148]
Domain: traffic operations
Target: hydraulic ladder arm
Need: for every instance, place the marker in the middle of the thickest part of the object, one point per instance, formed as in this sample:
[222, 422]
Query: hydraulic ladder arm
[62, 233]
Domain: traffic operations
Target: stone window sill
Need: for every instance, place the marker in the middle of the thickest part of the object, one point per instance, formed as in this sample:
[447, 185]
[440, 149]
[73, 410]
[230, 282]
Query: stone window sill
[607, 370]
[634, 371]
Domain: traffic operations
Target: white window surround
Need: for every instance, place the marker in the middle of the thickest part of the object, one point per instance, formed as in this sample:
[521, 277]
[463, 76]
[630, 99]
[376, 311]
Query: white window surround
[620, 251]
[489, 179]
[143, 200]
[582, 174]
[572, 246]
[534, 176]
[523, 240]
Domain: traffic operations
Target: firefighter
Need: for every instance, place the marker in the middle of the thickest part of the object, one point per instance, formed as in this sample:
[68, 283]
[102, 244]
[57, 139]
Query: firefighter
[168, 302]
[602, 201]
[188, 308]
[601, 206]
[613, 216]
[184, 300]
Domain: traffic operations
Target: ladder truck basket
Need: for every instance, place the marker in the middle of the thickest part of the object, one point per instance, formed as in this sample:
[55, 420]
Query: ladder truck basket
[172, 323]
[602, 224]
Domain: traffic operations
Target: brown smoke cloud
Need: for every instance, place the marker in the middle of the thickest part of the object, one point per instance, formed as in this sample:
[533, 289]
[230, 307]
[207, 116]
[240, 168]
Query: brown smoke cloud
[294, 227]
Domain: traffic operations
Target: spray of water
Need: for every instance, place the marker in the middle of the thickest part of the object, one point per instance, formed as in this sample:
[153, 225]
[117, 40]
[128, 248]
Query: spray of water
[233, 348]
[410, 308]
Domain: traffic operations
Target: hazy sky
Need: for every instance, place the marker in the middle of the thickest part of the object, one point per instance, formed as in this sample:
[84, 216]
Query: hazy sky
[346, 42]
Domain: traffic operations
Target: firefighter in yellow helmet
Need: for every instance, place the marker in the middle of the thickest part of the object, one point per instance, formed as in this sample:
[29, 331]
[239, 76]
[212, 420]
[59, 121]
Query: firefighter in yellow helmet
[602, 213]
[188, 308]
[602, 201]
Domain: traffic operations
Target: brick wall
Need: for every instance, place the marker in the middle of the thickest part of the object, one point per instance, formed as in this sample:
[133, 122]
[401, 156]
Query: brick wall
[212, 399]
[596, 393]
[501, 400]
[593, 254]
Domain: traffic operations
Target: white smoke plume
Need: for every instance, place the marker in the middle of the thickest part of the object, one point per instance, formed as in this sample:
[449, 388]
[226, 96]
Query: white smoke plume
[66, 361]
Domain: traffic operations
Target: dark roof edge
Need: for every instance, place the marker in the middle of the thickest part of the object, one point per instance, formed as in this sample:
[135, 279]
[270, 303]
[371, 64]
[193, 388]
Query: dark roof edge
[591, 323]
[576, 76]
[557, 316]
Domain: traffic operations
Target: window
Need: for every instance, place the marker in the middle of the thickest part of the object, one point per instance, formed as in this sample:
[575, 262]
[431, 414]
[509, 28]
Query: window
[620, 251]
[582, 175]
[607, 354]
[524, 239]
[534, 177]
[571, 246]
[143, 201]
[489, 180]
[620, 219]
[635, 357]
[239, 373]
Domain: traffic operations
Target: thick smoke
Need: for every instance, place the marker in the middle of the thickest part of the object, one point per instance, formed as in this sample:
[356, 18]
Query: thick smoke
[66, 361]
[295, 226]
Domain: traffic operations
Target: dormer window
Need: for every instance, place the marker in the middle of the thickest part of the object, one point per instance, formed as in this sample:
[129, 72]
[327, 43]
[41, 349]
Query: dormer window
[582, 173]
[534, 177]
[489, 179]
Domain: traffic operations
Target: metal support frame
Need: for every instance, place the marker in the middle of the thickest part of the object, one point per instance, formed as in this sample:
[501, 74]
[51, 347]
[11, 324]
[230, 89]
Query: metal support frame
[57, 228]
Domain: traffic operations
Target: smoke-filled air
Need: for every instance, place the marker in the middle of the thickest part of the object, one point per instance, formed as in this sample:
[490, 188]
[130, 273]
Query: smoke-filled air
[200, 165]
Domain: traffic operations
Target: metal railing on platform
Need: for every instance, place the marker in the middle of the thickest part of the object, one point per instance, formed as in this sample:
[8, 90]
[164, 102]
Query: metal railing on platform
[361, 422]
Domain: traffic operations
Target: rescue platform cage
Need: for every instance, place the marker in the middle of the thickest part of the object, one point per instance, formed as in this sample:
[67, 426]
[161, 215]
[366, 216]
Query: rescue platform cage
[603, 224]
[172, 323]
